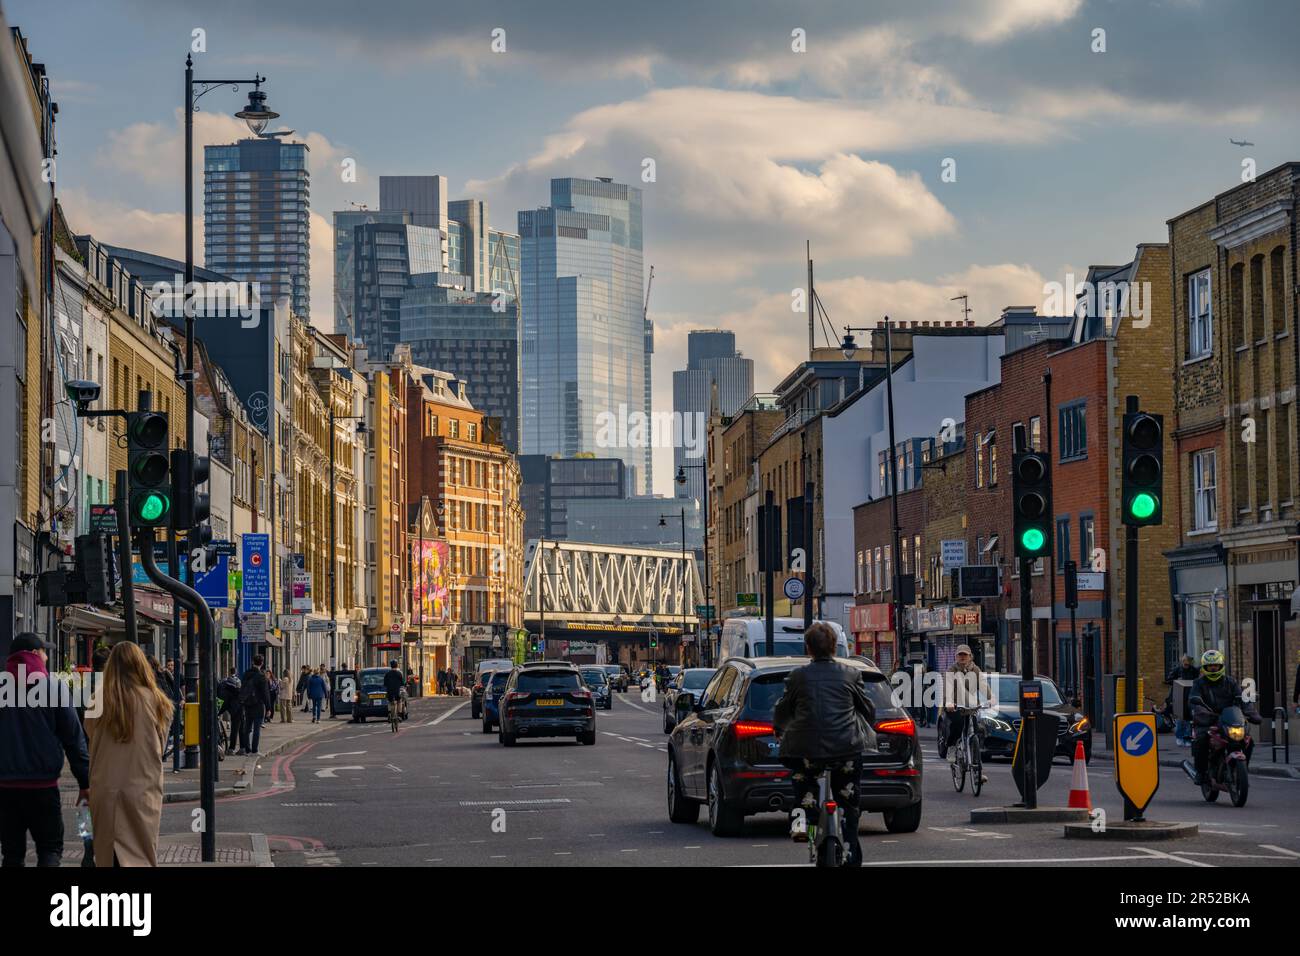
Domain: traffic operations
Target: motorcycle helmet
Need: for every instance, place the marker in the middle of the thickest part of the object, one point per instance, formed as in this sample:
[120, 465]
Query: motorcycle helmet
[1212, 666]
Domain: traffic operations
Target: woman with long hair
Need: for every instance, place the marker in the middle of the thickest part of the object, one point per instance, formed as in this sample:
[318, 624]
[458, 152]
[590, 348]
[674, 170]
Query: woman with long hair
[126, 745]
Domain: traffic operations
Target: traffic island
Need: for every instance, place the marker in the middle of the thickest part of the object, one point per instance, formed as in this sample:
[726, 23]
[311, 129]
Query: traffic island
[1025, 815]
[1131, 830]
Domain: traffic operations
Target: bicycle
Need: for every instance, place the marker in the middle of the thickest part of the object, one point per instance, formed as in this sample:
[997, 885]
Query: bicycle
[826, 833]
[966, 758]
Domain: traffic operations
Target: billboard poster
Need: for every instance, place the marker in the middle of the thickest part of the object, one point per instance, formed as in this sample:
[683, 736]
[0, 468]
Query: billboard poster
[429, 583]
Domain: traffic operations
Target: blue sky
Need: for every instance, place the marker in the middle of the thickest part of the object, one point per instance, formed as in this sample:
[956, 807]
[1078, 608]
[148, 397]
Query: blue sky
[1064, 156]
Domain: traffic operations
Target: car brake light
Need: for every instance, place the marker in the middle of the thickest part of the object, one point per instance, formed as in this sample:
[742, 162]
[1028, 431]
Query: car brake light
[752, 728]
[897, 725]
[584, 693]
[517, 695]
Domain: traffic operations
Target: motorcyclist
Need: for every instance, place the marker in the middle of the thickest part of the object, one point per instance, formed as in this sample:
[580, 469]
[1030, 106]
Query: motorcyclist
[1212, 693]
[819, 721]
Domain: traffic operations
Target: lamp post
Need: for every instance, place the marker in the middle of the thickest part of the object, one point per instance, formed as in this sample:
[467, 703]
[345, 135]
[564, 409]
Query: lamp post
[663, 523]
[333, 544]
[708, 576]
[849, 347]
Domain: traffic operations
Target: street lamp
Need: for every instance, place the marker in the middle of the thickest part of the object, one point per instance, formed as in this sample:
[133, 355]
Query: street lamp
[708, 576]
[333, 543]
[663, 523]
[850, 347]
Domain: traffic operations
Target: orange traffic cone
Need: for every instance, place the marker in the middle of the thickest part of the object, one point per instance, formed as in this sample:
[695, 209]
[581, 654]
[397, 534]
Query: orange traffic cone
[1079, 796]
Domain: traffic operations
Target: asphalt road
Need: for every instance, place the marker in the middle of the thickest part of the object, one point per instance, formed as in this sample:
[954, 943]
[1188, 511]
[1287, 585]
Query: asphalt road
[441, 792]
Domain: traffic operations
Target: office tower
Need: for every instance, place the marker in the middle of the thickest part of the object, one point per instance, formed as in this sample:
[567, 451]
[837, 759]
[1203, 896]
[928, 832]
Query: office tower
[256, 209]
[711, 361]
[583, 337]
[551, 484]
[424, 197]
[386, 258]
[345, 223]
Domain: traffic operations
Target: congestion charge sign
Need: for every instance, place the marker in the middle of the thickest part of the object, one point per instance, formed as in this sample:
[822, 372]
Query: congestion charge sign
[1137, 766]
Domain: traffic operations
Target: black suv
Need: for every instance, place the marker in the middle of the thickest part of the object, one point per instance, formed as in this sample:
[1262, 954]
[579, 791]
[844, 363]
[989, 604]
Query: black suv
[547, 699]
[723, 753]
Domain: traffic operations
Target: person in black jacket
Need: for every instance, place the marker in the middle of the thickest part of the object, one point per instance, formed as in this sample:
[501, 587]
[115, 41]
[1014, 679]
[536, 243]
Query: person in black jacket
[820, 723]
[1212, 693]
[255, 702]
[34, 740]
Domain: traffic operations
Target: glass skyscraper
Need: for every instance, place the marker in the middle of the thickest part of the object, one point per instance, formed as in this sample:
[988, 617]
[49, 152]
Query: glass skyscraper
[711, 360]
[345, 224]
[256, 209]
[585, 344]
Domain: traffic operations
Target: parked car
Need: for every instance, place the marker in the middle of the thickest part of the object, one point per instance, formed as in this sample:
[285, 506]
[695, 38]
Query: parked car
[547, 700]
[691, 681]
[1000, 723]
[723, 753]
[485, 671]
[371, 699]
[597, 682]
[618, 676]
[494, 688]
[747, 637]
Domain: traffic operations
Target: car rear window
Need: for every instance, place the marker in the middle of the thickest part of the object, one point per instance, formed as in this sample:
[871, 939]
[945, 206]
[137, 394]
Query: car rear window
[372, 678]
[595, 677]
[538, 680]
[500, 678]
[697, 679]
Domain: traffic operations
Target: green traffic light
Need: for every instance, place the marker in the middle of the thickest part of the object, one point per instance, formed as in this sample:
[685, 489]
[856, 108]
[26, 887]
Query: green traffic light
[1032, 539]
[153, 507]
[1142, 506]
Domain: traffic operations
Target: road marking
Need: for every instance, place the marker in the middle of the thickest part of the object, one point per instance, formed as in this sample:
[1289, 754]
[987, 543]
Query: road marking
[331, 772]
[1278, 849]
[690, 847]
[306, 804]
[394, 768]
[629, 851]
[537, 838]
[1170, 856]
[983, 862]
[648, 746]
[498, 856]
[1222, 833]
[434, 859]
[637, 706]
[510, 803]
[563, 853]
[443, 716]
[343, 753]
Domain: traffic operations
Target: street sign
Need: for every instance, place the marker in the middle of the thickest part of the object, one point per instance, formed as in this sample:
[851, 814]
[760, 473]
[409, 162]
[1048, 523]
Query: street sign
[1092, 580]
[954, 553]
[225, 547]
[257, 573]
[103, 518]
[302, 600]
[290, 622]
[794, 588]
[1137, 764]
[214, 583]
[977, 581]
[706, 611]
[747, 599]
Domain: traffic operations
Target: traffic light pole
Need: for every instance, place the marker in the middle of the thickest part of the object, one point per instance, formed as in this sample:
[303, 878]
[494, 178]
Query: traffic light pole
[122, 505]
[1028, 722]
[207, 709]
[1130, 638]
[769, 576]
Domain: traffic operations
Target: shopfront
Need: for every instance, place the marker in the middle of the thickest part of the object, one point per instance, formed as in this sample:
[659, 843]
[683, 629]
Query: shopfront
[873, 633]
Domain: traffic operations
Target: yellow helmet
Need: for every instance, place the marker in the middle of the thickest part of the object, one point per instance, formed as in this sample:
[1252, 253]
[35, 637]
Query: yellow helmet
[1212, 666]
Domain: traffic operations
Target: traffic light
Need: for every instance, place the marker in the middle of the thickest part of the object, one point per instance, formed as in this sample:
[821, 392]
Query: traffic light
[1031, 497]
[94, 560]
[193, 507]
[654, 640]
[148, 468]
[1142, 488]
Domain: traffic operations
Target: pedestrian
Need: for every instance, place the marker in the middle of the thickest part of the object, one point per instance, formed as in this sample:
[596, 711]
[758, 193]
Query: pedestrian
[229, 693]
[126, 745]
[286, 700]
[162, 678]
[442, 681]
[34, 740]
[303, 677]
[273, 685]
[255, 702]
[316, 691]
[1186, 670]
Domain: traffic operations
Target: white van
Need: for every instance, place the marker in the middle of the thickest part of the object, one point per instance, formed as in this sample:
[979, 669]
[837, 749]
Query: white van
[747, 637]
[494, 664]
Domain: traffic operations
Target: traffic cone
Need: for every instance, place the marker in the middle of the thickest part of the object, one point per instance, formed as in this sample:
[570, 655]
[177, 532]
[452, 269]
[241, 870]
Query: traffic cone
[1079, 796]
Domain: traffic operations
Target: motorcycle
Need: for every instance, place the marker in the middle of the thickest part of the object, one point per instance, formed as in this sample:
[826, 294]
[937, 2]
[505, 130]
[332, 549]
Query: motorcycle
[1227, 770]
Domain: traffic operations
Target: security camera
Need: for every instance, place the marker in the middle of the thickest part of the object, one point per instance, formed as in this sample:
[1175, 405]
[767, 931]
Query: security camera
[83, 394]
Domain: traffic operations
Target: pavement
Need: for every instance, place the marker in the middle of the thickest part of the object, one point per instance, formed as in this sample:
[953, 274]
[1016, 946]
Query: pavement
[442, 792]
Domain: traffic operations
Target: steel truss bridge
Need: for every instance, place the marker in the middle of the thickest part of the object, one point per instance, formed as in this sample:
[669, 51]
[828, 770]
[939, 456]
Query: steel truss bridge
[610, 588]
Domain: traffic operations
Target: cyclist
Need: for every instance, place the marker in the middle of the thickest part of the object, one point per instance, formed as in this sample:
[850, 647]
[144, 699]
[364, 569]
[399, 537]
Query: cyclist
[964, 687]
[1211, 693]
[393, 684]
[819, 721]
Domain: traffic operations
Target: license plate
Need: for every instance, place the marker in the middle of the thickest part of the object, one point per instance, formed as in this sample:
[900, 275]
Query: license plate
[550, 702]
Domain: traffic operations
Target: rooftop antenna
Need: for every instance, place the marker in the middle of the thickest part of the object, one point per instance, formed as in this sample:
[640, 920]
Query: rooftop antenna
[965, 306]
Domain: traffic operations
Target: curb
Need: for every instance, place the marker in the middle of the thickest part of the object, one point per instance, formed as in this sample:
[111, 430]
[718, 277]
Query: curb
[1023, 815]
[1146, 830]
[261, 850]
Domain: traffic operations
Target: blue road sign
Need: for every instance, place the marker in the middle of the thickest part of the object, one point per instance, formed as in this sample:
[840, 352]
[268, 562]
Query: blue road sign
[257, 573]
[1136, 739]
[214, 583]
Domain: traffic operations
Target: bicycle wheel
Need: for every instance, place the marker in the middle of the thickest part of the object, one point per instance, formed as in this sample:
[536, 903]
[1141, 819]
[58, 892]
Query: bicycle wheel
[958, 766]
[976, 766]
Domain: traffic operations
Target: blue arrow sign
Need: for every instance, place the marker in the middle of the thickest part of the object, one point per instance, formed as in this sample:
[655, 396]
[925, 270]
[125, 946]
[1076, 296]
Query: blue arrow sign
[1137, 739]
[214, 583]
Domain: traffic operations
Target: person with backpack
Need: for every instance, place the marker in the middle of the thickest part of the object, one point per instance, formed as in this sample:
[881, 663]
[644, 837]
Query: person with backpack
[254, 702]
[228, 693]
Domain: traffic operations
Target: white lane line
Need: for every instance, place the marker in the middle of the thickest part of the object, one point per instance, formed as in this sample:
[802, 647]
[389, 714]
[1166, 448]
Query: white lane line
[445, 714]
[508, 803]
[342, 753]
[690, 847]
[982, 862]
[563, 853]
[649, 746]
[434, 859]
[629, 851]
[1278, 849]
[1161, 854]
[636, 706]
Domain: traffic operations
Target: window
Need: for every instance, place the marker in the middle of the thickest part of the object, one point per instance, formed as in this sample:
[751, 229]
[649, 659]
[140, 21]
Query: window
[861, 565]
[1204, 490]
[1035, 434]
[1018, 440]
[1074, 431]
[979, 462]
[916, 555]
[1087, 541]
[1062, 542]
[888, 583]
[880, 570]
[1200, 315]
[993, 459]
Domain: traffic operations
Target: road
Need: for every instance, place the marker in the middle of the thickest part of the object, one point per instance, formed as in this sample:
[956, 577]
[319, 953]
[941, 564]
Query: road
[441, 792]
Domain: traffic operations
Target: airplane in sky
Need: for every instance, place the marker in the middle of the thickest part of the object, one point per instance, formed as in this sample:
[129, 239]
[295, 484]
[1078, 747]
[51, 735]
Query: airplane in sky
[1240, 142]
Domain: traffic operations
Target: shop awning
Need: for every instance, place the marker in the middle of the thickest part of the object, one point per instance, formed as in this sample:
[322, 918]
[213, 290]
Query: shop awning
[90, 619]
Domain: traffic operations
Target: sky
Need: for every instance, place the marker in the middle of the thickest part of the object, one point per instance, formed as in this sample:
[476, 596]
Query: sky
[926, 148]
